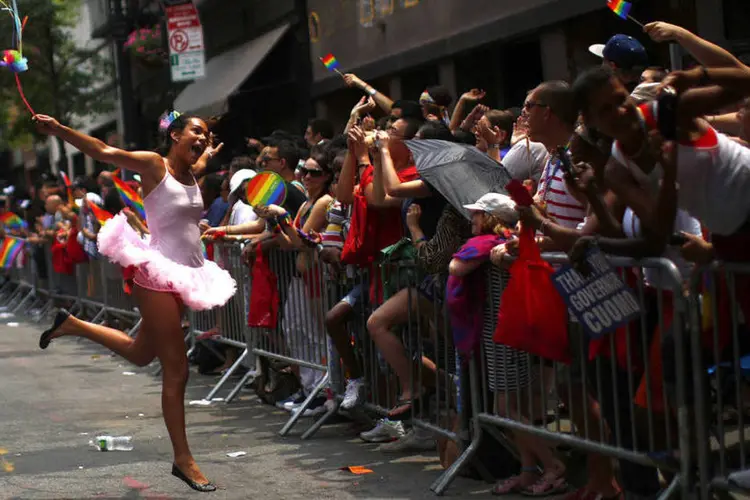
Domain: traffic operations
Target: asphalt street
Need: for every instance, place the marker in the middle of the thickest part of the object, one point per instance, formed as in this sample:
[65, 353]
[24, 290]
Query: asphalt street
[53, 402]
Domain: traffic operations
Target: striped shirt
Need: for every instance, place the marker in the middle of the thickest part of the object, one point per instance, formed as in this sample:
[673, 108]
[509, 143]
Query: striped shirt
[562, 207]
[337, 218]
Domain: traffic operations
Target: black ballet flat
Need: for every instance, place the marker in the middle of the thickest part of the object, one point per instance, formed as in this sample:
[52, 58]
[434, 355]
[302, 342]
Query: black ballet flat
[205, 488]
[60, 318]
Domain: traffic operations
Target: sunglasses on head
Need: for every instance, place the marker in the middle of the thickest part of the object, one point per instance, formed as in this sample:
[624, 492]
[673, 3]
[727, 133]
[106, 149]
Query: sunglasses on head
[314, 172]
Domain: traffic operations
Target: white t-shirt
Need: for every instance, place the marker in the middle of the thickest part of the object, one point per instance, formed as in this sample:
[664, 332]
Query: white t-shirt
[631, 226]
[241, 213]
[525, 160]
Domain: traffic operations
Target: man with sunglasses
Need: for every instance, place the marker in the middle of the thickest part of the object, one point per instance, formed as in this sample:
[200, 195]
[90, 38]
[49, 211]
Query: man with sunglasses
[551, 115]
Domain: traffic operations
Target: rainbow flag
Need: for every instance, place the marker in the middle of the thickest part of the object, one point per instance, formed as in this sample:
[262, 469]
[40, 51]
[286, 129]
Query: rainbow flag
[9, 250]
[330, 62]
[619, 7]
[101, 215]
[266, 188]
[12, 221]
[68, 188]
[130, 197]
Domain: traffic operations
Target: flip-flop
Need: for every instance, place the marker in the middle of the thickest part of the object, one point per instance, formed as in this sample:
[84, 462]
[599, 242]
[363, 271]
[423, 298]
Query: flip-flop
[60, 318]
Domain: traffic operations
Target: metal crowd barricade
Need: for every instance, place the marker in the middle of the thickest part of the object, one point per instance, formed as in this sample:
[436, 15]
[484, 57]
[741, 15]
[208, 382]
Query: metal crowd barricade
[299, 338]
[91, 299]
[518, 392]
[720, 354]
[230, 320]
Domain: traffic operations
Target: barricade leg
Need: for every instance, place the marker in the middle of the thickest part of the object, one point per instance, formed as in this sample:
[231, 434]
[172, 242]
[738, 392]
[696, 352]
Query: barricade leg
[244, 381]
[298, 414]
[226, 375]
[443, 482]
[24, 300]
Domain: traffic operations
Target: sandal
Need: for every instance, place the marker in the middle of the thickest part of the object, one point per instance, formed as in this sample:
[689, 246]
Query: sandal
[546, 486]
[511, 485]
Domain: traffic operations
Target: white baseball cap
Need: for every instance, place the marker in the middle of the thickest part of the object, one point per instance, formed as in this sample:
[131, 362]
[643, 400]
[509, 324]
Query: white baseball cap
[92, 197]
[499, 205]
[239, 177]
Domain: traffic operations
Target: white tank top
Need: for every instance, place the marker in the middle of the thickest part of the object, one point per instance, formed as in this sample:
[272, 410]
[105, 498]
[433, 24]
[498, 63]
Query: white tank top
[713, 174]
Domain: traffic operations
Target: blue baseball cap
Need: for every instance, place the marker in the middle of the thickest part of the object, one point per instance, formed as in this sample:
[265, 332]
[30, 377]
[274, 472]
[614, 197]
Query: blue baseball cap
[624, 51]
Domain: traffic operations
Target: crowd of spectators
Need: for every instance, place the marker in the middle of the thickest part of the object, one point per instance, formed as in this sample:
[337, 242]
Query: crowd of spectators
[637, 188]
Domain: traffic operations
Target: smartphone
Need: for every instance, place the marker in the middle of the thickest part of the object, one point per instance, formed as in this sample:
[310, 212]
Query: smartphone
[565, 163]
[667, 115]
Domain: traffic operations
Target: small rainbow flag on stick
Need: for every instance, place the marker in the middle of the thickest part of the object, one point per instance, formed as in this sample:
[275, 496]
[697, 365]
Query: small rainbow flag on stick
[130, 197]
[68, 188]
[9, 250]
[12, 221]
[622, 9]
[266, 188]
[101, 215]
[331, 63]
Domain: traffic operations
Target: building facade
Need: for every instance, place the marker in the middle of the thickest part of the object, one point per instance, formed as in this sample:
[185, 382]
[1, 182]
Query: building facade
[505, 47]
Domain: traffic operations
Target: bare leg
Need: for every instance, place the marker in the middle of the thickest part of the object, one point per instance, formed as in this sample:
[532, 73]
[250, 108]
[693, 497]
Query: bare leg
[138, 350]
[394, 312]
[336, 320]
[162, 314]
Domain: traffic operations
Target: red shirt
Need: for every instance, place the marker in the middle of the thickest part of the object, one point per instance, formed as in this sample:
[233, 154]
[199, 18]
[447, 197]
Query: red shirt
[385, 223]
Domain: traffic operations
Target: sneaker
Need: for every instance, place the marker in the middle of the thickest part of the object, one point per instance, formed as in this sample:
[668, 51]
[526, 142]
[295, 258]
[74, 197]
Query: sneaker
[414, 440]
[384, 432]
[355, 390]
[295, 398]
[317, 407]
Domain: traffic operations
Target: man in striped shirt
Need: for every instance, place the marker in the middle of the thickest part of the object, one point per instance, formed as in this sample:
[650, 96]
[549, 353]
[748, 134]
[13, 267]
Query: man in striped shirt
[551, 115]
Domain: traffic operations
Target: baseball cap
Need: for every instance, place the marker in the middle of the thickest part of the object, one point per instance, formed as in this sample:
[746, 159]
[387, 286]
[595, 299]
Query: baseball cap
[92, 197]
[624, 51]
[499, 205]
[239, 177]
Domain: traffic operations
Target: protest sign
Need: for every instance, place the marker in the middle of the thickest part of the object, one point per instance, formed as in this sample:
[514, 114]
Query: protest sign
[600, 301]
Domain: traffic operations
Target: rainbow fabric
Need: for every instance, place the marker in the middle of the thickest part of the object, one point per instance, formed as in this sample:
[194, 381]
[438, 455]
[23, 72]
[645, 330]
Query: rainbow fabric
[9, 250]
[100, 214]
[330, 62]
[130, 197]
[266, 188]
[619, 7]
[12, 221]
[68, 188]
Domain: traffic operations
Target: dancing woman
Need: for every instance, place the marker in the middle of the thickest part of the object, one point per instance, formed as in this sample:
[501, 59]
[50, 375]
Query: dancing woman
[170, 271]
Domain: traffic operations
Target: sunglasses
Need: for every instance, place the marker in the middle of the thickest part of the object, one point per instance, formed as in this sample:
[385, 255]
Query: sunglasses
[529, 105]
[314, 172]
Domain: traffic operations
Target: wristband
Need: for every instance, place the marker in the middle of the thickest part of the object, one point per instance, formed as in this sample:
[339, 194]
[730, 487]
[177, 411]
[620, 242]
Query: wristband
[420, 240]
[284, 220]
[371, 91]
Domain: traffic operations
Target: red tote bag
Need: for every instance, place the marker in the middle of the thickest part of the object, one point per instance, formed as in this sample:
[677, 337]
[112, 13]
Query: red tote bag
[533, 317]
[264, 294]
[359, 245]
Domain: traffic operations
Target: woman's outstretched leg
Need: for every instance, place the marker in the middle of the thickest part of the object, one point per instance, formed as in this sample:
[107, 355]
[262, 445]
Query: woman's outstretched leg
[162, 319]
[138, 350]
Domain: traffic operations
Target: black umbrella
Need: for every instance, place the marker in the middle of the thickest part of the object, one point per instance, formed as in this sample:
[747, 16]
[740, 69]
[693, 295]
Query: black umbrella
[461, 173]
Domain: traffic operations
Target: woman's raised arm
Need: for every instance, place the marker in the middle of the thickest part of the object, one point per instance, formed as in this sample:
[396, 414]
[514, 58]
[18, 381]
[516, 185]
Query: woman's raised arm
[145, 163]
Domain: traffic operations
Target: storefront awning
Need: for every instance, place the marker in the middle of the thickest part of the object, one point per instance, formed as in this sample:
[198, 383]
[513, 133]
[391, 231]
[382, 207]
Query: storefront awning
[224, 75]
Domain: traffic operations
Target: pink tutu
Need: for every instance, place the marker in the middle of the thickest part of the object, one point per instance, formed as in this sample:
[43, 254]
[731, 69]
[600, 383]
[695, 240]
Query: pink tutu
[199, 288]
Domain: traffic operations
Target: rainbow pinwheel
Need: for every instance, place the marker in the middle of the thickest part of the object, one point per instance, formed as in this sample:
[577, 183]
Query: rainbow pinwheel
[13, 59]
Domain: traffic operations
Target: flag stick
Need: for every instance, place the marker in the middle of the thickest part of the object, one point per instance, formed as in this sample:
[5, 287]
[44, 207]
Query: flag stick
[20, 91]
[339, 72]
[636, 21]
